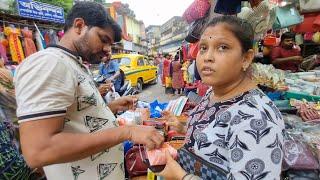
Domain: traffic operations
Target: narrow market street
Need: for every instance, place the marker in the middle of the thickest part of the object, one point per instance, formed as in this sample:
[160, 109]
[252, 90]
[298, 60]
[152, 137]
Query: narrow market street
[155, 92]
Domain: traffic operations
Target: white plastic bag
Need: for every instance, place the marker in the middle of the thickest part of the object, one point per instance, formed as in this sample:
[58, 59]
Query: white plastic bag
[309, 6]
[111, 96]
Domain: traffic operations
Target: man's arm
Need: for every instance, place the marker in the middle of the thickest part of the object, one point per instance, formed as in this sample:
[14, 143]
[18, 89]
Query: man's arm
[297, 59]
[115, 76]
[116, 68]
[43, 142]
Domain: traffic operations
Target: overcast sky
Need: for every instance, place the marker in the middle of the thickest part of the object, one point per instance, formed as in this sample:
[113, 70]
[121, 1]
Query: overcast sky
[156, 12]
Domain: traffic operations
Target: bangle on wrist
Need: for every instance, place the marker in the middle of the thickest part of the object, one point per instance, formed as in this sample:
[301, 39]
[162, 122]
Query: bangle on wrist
[186, 175]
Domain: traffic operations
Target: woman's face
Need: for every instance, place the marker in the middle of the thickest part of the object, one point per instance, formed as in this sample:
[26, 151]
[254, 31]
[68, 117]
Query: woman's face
[220, 59]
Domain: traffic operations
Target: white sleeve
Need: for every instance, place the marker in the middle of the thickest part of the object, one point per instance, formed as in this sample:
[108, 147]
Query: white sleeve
[45, 87]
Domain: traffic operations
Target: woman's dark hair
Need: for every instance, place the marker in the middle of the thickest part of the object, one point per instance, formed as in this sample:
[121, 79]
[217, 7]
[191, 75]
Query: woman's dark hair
[242, 29]
[94, 15]
[288, 35]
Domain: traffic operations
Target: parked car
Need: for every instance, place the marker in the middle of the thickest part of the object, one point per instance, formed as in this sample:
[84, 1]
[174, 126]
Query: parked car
[137, 69]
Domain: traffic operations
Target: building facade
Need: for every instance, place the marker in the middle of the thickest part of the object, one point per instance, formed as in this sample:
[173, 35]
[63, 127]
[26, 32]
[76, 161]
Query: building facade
[133, 30]
[172, 35]
[153, 35]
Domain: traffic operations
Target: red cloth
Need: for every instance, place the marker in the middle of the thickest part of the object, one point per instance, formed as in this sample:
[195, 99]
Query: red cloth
[279, 52]
[193, 50]
[29, 46]
[165, 70]
[308, 24]
[177, 75]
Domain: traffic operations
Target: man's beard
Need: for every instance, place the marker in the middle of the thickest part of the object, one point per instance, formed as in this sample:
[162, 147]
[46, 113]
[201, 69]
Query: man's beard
[84, 51]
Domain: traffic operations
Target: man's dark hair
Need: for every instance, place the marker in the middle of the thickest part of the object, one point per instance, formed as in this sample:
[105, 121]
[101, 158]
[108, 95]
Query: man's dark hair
[288, 35]
[94, 15]
[241, 29]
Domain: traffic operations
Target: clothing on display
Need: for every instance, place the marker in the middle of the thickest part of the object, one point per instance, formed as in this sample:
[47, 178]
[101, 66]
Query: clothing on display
[228, 7]
[14, 43]
[53, 37]
[3, 47]
[29, 46]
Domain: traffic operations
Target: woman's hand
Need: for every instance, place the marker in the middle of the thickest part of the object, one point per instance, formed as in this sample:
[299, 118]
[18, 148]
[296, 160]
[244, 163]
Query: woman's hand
[174, 122]
[172, 170]
[123, 104]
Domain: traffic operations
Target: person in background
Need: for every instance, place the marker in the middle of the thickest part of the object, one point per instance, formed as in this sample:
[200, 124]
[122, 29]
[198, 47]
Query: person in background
[110, 69]
[287, 55]
[166, 73]
[159, 63]
[65, 125]
[235, 122]
[177, 75]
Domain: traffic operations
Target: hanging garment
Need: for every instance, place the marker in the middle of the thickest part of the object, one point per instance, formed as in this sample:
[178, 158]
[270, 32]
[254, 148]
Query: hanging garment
[53, 37]
[47, 39]
[3, 47]
[197, 10]
[184, 52]
[39, 41]
[29, 46]
[14, 43]
[228, 7]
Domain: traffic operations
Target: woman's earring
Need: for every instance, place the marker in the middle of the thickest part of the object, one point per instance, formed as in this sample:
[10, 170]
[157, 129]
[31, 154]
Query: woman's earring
[244, 69]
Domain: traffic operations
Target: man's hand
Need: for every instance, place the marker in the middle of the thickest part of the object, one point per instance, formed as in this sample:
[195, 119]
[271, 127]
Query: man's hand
[146, 135]
[104, 88]
[299, 59]
[123, 104]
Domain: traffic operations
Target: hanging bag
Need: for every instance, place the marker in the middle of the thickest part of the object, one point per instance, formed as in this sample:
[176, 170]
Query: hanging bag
[309, 6]
[270, 40]
[197, 10]
[287, 16]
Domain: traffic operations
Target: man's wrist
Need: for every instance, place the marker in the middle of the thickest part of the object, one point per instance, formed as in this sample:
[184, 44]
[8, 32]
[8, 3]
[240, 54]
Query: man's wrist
[126, 133]
[113, 106]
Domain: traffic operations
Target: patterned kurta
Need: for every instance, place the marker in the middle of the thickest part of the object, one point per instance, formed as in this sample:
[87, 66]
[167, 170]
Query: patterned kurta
[242, 136]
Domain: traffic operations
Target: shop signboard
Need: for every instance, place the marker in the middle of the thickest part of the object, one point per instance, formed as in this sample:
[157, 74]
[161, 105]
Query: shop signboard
[41, 11]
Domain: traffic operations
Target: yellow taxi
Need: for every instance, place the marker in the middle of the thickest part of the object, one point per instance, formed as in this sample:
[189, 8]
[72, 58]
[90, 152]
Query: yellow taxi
[137, 69]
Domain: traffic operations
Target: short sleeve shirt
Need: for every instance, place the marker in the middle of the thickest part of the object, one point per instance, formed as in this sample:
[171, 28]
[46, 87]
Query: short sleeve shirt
[110, 69]
[54, 83]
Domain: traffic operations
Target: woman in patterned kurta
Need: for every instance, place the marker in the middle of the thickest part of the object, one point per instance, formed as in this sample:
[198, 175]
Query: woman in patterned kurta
[236, 127]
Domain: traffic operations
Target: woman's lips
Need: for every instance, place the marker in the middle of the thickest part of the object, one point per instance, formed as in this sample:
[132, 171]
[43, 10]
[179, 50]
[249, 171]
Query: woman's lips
[207, 71]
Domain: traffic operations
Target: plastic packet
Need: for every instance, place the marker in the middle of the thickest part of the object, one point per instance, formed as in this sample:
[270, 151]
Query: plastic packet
[297, 154]
[130, 118]
[111, 95]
